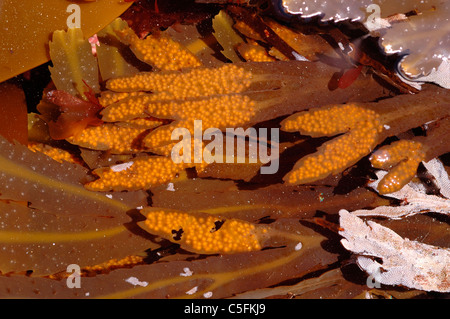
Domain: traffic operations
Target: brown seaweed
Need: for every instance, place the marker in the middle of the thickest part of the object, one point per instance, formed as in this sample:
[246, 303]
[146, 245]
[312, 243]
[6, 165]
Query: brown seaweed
[233, 200]
[59, 208]
[286, 244]
[14, 112]
[47, 242]
[212, 277]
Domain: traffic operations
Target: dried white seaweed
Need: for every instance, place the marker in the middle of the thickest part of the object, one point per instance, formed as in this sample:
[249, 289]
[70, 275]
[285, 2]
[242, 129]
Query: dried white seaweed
[414, 201]
[404, 262]
[436, 168]
[413, 196]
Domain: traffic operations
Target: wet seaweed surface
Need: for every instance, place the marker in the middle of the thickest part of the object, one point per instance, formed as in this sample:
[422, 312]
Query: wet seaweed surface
[92, 204]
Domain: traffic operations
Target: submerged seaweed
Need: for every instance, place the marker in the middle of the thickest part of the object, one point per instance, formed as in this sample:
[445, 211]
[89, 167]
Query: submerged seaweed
[138, 225]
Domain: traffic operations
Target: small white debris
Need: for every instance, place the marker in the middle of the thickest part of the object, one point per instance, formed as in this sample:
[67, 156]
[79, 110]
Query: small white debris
[187, 272]
[192, 291]
[299, 57]
[109, 196]
[140, 207]
[170, 187]
[208, 294]
[377, 24]
[298, 246]
[121, 167]
[386, 127]
[135, 282]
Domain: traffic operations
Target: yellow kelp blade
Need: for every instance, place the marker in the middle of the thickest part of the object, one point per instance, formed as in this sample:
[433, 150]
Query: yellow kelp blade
[113, 59]
[226, 36]
[73, 62]
[27, 26]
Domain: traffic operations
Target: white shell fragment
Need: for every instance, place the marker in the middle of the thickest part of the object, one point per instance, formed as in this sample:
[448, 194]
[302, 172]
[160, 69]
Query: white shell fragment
[122, 167]
[136, 282]
[186, 272]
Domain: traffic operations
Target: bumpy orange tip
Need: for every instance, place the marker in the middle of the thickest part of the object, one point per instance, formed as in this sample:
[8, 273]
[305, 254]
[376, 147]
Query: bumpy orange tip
[110, 137]
[197, 82]
[57, 154]
[141, 173]
[159, 51]
[254, 53]
[203, 233]
[401, 158]
[219, 111]
[108, 97]
[361, 128]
